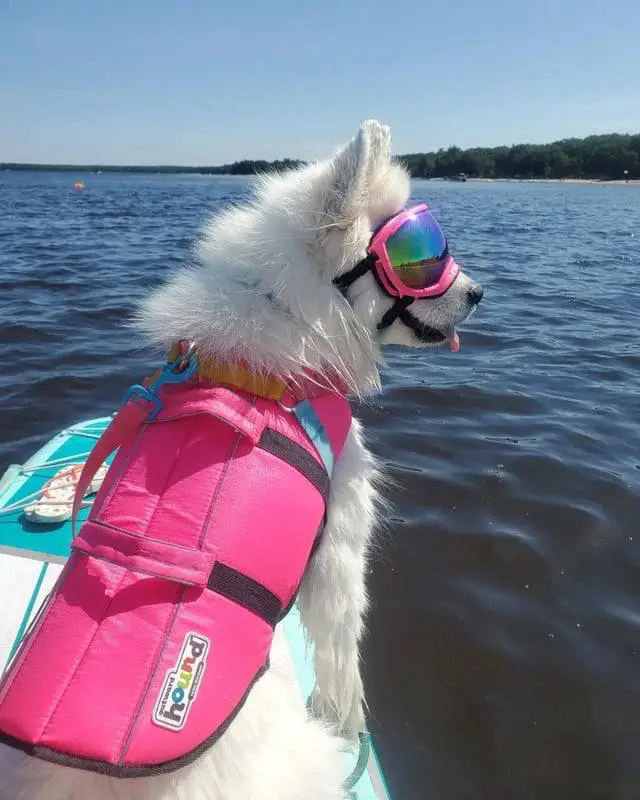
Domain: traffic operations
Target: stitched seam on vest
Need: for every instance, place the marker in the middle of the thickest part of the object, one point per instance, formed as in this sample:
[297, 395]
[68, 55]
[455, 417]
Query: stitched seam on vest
[187, 548]
[145, 693]
[297, 457]
[245, 592]
[188, 414]
[216, 497]
[43, 730]
[223, 477]
[183, 444]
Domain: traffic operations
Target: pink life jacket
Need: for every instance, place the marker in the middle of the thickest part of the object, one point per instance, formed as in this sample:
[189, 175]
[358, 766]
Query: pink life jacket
[163, 616]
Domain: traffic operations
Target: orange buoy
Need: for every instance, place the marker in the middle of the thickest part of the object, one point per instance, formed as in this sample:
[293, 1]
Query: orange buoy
[79, 185]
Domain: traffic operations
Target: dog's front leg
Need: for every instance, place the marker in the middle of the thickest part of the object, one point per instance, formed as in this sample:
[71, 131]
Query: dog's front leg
[333, 597]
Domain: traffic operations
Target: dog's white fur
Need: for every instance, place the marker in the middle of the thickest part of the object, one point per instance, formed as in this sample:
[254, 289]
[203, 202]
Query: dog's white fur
[261, 290]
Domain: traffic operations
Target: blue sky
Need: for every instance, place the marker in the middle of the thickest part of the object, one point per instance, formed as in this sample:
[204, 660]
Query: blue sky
[208, 82]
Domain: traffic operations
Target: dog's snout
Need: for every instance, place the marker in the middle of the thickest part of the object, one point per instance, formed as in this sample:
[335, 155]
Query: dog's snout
[476, 293]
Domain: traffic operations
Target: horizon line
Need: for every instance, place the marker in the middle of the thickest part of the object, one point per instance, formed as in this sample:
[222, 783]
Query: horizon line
[8, 165]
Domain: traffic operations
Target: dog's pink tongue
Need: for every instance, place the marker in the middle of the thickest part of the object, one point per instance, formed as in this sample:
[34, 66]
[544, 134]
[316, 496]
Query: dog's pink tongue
[454, 340]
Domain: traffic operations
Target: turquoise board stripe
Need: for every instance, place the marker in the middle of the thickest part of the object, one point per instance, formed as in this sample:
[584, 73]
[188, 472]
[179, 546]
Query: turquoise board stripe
[18, 536]
[371, 784]
[377, 776]
[27, 613]
[310, 421]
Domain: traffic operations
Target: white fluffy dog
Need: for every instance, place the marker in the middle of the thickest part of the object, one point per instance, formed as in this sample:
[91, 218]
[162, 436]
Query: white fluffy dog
[262, 290]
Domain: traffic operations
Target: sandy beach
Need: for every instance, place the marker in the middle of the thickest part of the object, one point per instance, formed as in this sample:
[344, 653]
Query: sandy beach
[630, 182]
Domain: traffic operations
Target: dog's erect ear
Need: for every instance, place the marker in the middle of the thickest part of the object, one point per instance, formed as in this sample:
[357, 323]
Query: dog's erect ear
[354, 168]
[380, 144]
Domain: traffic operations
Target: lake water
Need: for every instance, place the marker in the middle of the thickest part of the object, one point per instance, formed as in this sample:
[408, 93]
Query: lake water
[503, 656]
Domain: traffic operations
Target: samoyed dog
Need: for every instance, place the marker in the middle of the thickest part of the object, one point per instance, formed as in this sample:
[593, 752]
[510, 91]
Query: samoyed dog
[266, 288]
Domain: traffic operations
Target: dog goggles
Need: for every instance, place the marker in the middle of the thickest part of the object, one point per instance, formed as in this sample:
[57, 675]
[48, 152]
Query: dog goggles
[409, 256]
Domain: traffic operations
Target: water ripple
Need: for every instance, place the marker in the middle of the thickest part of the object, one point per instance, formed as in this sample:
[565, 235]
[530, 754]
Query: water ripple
[504, 646]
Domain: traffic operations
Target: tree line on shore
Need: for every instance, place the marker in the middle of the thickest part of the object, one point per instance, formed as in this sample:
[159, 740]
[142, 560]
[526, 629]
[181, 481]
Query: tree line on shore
[597, 157]
[245, 167]
[606, 157]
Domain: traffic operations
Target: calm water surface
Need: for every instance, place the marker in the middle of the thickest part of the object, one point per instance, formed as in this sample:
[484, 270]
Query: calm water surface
[503, 659]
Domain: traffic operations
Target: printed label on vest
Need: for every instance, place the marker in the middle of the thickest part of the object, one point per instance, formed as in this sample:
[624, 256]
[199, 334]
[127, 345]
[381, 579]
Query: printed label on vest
[181, 684]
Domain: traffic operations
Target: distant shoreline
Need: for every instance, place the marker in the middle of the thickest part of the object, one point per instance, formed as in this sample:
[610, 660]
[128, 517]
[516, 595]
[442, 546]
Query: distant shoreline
[604, 158]
[246, 167]
[244, 171]
[81, 169]
[630, 182]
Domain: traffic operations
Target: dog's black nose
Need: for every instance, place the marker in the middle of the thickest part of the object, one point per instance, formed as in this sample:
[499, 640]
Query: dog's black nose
[476, 293]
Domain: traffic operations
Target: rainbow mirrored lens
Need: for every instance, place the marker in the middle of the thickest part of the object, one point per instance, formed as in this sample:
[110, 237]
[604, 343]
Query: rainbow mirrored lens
[418, 251]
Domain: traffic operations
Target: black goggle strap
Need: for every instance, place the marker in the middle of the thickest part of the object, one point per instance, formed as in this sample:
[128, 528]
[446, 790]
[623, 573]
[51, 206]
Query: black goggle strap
[342, 282]
[398, 309]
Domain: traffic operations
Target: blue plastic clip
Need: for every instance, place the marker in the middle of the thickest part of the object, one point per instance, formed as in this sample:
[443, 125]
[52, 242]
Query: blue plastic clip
[177, 371]
[314, 428]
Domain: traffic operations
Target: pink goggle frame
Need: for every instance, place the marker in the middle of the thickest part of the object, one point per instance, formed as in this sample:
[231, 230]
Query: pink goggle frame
[410, 255]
